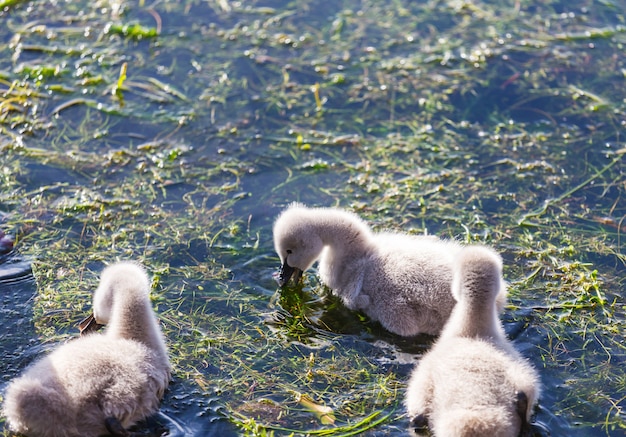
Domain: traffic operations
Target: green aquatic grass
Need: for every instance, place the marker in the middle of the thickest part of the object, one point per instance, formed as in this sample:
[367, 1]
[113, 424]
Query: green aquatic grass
[131, 30]
[9, 3]
[497, 123]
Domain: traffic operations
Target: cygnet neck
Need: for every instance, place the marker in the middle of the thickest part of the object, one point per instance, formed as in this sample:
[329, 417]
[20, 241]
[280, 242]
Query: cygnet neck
[476, 319]
[132, 318]
[341, 231]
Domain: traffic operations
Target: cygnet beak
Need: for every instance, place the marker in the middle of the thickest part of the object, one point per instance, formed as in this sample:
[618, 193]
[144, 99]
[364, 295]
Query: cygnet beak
[287, 272]
[419, 423]
[89, 324]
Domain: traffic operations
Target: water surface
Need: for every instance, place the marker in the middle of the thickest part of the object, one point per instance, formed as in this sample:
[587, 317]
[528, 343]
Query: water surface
[494, 122]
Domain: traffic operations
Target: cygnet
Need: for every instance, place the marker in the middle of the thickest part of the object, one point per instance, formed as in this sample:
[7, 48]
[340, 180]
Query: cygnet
[100, 383]
[403, 281]
[473, 382]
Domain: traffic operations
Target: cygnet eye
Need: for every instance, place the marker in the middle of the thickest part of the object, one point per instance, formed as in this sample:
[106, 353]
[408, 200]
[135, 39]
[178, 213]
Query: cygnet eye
[288, 251]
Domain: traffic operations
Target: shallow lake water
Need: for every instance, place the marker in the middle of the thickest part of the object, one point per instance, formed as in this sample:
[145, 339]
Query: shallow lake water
[174, 133]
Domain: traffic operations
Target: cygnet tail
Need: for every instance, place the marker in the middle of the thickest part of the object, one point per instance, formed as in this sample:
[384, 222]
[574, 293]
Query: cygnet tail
[477, 274]
[478, 422]
[34, 409]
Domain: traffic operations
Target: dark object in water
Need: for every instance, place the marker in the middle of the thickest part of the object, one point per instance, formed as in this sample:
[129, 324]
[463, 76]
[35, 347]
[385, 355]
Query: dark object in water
[6, 243]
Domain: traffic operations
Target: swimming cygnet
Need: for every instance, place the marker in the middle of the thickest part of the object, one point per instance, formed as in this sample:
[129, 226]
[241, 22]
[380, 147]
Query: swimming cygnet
[473, 382]
[402, 281]
[100, 383]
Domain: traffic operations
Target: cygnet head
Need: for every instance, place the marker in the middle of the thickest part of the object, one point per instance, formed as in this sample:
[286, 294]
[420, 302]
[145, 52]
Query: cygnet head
[477, 275]
[296, 242]
[127, 277]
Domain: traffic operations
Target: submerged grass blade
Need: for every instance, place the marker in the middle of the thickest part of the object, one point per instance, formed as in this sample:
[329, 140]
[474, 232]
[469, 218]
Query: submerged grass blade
[168, 89]
[549, 202]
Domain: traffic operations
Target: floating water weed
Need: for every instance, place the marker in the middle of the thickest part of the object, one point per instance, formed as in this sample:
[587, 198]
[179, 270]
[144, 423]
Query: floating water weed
[492, 123]
[131, 30]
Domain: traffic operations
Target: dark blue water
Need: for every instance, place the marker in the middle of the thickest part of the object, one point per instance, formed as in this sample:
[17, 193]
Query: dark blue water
[19, 345]
[247, 88]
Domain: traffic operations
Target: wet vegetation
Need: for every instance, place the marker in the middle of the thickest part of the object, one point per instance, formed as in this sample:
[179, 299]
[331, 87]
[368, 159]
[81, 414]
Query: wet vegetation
[174, 132]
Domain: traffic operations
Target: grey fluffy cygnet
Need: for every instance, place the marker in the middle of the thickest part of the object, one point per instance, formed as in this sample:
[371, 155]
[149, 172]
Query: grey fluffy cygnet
[403, 281]
[100, 383]
[473, 382]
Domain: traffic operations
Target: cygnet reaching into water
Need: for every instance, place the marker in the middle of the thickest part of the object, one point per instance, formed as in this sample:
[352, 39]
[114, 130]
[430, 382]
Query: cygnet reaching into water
[100, 383]
[473, 382]
[403, 281]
